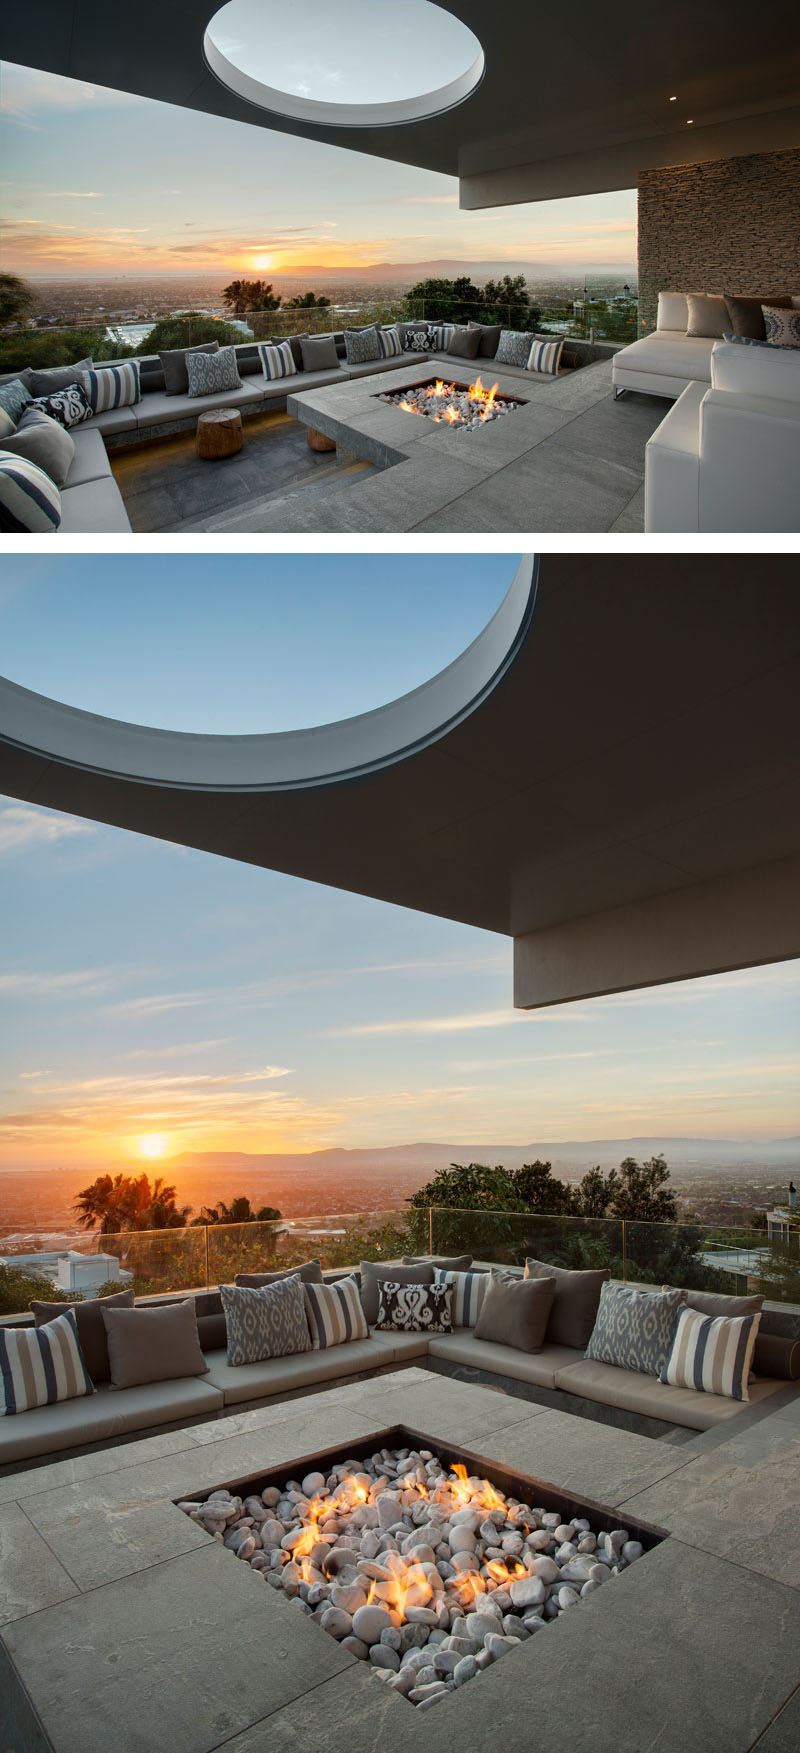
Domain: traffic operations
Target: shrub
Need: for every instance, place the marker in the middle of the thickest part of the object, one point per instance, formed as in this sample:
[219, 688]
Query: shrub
[19, 1287]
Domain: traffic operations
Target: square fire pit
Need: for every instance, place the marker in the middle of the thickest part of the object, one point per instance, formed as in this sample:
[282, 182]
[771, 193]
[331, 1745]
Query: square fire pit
[464, 407]
[420, 1557]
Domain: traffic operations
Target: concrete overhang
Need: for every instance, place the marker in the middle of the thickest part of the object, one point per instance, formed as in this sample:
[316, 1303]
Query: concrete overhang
[566, 106]
[610, 775]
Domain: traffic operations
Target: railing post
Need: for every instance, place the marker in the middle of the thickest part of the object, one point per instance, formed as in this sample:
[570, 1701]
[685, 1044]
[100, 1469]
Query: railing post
[430, 1229]
[208, 1285]
[624, 1253]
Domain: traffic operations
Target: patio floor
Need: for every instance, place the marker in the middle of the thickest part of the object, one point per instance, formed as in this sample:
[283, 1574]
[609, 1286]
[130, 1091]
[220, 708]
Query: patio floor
[166, 486]
[126, 1628]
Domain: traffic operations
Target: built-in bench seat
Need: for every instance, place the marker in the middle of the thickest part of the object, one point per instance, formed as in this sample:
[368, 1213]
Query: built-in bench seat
[632, 1392]
[536, 1367]
[106, 1414]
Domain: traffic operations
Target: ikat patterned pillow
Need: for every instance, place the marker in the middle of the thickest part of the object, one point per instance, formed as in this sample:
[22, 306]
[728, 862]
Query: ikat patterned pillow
[634, 1328]
[270, 1322]
[514, 347]
[361, 346]
[415, 1308]
[70, 406]
[211, 373]
[421, 341]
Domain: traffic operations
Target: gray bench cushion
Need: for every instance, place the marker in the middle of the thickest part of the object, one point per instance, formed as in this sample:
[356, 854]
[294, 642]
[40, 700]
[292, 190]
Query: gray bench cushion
[106, 1414]
[313, 380]
[90, 462]
[114, 420]
[538, 1367]
[161, 409]
[280, 1375]
[397, 362]
[633, 1392]
[94, 508]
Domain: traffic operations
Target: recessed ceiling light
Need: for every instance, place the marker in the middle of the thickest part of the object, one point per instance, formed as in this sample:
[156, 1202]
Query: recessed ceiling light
[690, 121]
[673, 100]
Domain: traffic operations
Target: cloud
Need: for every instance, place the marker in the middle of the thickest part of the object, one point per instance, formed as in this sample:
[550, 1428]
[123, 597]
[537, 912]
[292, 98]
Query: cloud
[442, 1025]
[83, 981]
[23, 828]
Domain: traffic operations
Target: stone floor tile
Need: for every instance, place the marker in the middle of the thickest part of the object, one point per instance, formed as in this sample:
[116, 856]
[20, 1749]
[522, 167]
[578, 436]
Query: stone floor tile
[594, 1460]
[30, 1574]
[110, 1537]
[783, 1734]
[746, 1513]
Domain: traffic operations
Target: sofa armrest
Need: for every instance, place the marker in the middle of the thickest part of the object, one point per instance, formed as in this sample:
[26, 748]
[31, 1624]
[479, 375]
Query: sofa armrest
[749, 464]
[672, 467]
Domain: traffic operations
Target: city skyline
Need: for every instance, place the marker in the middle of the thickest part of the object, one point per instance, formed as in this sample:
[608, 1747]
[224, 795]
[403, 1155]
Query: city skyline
[152, 990]
[99, 181]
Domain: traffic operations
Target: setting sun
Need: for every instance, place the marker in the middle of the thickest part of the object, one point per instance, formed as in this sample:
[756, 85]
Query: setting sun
[262, 261]
[153, 1144]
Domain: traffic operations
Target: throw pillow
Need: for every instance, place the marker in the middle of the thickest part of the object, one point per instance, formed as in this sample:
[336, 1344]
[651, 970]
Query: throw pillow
[334, 1313]
[362, 345]
[743, 341]
[248, 359]
[634, 1329]
[173, 365]
[210, 374]
[112, 386]
[747, 317]
[440, 336]
[469, 1289]
[489, 337]
[374, 1272]
[29, 500]
[673, 311]
[55, 377]
[777, 1356]
[708, 316]
[14, 397]
[712, 1354]
[319, 353]
[545, 357]
[44, 442]
[575, 1303]
[421, 341]
[415, 1308]
[293, 341]
[389, 343]
[277, 361]
[310, 1273]
[709, 1302]
[152, 1344]
[70, 407]
[39, 1366]
[782, 326]
[515, 1310]
[514, 346]
[270, 1322]
[7, 425]
[464, 343]
[444, 1262]
[91, 1328]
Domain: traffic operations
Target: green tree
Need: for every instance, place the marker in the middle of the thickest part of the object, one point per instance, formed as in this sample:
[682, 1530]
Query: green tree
[307, 301]
[21, 1285]
[190, 329]
[45, 347]
[244, 295]
[128, 1203]
[508, 301]
[17, 299]
[239, 1211]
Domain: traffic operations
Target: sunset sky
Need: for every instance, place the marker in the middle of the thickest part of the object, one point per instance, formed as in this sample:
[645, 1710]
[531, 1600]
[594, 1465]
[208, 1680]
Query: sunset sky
[149, 990]
[97, 182]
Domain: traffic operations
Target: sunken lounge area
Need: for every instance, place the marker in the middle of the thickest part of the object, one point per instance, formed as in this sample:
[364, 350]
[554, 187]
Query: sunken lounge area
[328, 1546]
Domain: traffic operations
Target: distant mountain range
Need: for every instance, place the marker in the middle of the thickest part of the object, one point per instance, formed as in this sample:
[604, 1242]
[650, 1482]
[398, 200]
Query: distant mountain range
[425, 1158]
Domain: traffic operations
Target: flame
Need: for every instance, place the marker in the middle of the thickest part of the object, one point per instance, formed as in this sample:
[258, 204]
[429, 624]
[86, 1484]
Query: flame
[452, 415]
[502, 1573]
[408, 407]
[438, 388]
[371, 1595]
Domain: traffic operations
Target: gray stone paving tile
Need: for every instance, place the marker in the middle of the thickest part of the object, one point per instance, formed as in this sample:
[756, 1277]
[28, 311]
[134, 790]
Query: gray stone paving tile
[20, 1728]
[783, 1734]
[110, 1536]
[180, 1657]
[615, 431]
[744, 1513]
[30, 1574]
[594, 1460]
[15, 1487]
[452, 1410]
[631, 521]
[549, 489]
[354, 1710]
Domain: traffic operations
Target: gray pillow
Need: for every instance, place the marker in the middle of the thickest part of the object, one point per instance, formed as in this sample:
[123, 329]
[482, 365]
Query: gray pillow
[294, 343]
[42, 440]
[248, 359]
[309, 1273]
[319, 353]
[464, 343]
[173, 365]
[56, 377]
[490, 336]
[375, 1271]
[514, 347]
[708, 317]
[440, 1262]
[575, 1304]
[515, 1311]
[747, 317]
[14, 398]
[270, 1322]
[152, 1345]
[709, 1302]
[362, 345]
[91, 1328]
[210, 374]
[634, 1328]
[777, 1357]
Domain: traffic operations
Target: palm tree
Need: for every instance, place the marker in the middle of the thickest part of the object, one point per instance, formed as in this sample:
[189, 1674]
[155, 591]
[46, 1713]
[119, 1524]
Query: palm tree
[106, 1204]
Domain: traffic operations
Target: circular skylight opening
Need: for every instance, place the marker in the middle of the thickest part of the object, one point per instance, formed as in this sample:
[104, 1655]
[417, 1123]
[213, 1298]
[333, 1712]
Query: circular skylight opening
[315, 62]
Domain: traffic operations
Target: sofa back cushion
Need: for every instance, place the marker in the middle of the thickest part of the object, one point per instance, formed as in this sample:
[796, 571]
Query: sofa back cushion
[634, 1329]
[30, 503]
[270, 1322]
[310, 1272]
[153, 1344]
[469, 1290]
[771, 372]
[444, 1262]
[91, 1328]
[673, 311]
[319, 353]
[334, 1313]
[746, 316]
[464, 343]
[489, 338]
[55, 377]
[173, 365]
[708, 316]
[374, 1271]
[712, 1354]
[710, 1302]
[40, 1365]
[515, 1310]
[575, 1302]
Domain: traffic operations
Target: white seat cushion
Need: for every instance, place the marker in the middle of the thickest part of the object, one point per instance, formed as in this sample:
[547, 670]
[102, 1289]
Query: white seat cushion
[668, 354]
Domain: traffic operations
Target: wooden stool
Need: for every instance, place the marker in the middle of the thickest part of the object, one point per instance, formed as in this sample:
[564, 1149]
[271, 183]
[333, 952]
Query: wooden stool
[219, 433]
[318, 440]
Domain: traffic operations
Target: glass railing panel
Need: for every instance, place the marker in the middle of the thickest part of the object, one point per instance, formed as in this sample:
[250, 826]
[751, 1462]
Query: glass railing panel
[508, 1237]
[336, 1240]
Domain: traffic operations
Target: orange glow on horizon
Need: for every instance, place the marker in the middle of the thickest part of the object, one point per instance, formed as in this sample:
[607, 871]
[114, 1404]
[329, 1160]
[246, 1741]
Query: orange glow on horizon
[152, 1145]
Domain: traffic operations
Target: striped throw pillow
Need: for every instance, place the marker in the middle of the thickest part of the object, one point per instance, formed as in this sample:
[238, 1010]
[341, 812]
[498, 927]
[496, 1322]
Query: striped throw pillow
[40, 1365]
[469, 1289]
[277, 360]
[29, 501]
[441, 335]
[389, 343]
[712, 1353]
[112, 386]
[334, 1313]
[545, 357]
